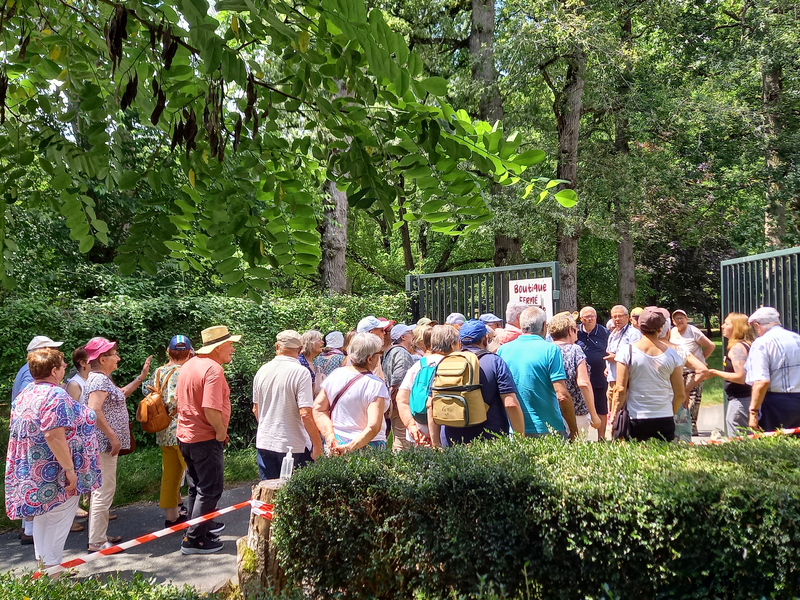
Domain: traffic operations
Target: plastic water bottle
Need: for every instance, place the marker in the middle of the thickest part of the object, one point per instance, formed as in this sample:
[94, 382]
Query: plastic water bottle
[287, 465]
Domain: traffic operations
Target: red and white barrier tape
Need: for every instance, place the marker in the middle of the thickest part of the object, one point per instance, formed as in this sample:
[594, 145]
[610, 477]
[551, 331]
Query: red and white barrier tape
[257, 507]
[752, 436]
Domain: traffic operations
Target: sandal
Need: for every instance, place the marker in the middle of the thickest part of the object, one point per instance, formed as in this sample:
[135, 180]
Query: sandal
[98, 547]
[81, 514]
[114, 539]
[76, 527]
[111, 517]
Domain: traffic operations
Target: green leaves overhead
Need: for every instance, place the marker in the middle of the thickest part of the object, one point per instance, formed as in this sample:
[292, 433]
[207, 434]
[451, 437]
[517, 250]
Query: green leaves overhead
[256, 104]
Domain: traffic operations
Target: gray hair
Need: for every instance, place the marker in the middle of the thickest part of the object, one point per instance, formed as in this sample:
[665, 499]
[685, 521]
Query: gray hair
[310, 337]
[514, 310]
[532, 320]
[443, 338]
[362, 347]
[619, 307]
[587, 308]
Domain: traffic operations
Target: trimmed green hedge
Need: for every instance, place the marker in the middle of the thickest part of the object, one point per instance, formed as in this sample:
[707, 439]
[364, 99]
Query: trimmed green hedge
[565, 521]
[144, 327]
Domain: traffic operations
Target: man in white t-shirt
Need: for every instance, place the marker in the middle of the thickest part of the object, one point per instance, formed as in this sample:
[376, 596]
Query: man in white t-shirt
[692, 341]
[282, 404]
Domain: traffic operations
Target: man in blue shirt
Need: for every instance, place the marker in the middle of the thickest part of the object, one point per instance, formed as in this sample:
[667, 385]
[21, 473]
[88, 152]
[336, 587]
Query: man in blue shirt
[593, 340]
[538, 370]
[24, 376]
[497, 388]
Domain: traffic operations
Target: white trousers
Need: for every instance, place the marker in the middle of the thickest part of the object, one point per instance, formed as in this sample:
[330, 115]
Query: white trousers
[585, 430]
[50, 532]
[102, 498]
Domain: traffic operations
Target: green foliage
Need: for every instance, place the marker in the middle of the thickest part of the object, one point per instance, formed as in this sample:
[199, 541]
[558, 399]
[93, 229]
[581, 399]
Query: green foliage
[112, 588]
[144, 327]
[576, 521]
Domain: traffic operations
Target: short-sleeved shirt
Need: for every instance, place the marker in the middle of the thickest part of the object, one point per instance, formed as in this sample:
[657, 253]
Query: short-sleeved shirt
[35, 481]
[775, 357]
[535, 364]
[349, 416]
[396, 364]
[21, 381]
[168, 436]
[574, 356]
[280, 389]
[617, 340]
[496, 381]
[201, 385]
[114, 410]
[594, 346]
[503, 335]
[689, 339]
[649, 387]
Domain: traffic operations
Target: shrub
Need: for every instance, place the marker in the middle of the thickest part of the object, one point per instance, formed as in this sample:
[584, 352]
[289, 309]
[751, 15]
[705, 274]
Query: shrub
[567, 521]
[144, 327]
[112, 588]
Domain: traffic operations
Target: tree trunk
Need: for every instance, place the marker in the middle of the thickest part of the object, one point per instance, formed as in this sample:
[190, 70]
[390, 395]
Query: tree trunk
[408, 255]
[625, 259]
[567, 107]
[256, 560]
[775, 216]
[334, 241]
[507, 249]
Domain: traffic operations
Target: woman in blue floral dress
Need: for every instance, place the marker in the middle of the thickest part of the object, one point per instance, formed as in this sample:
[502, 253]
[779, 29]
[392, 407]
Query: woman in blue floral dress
[52, 456]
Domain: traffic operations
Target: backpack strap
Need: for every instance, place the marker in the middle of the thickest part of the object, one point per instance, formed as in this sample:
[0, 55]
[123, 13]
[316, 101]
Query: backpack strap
[481, 353]
[343, 390]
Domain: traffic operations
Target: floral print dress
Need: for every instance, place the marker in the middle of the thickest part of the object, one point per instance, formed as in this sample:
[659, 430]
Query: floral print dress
[114, 410]
[168, 436]
[34, 479]
[574, 356]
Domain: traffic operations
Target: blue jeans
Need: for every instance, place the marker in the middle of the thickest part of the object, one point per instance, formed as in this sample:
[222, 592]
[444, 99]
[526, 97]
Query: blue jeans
[269, 462]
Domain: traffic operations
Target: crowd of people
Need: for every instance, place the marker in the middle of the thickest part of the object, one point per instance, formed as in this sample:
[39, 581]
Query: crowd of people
[638, 377]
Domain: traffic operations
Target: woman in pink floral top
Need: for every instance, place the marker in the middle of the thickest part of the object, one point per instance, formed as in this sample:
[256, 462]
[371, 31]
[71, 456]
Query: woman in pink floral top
[52, 456]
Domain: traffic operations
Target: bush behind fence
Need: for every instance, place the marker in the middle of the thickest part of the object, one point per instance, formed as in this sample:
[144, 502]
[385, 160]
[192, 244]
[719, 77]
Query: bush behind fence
[560, 521]
[144, 327]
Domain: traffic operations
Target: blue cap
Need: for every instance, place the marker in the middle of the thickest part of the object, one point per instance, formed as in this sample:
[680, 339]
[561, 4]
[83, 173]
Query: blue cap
[490, 318]
[180, 342]
[472, 331]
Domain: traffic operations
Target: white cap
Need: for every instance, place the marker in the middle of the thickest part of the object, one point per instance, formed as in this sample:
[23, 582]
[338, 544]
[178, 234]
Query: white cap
[765, 315]
[455, 319]
[400, 329]
[42, 341]
[367, 324]
[334, 339]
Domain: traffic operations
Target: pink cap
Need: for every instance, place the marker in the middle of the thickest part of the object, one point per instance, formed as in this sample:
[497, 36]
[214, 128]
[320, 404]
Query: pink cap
[97, 346]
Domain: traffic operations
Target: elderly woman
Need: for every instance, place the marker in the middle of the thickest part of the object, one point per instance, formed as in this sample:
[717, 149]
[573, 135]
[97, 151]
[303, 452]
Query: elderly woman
[349, 409]
[312, 347]
[692, 340]
[332, 356]
[108, 401]
[649, 381]
[165, 378]
[564, 331]
[52, 456]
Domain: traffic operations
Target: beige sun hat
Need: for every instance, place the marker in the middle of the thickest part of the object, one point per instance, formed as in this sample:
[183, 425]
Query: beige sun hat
[216, 336]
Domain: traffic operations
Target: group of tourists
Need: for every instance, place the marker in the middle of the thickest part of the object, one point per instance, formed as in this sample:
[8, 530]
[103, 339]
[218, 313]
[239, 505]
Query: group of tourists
[429, 384]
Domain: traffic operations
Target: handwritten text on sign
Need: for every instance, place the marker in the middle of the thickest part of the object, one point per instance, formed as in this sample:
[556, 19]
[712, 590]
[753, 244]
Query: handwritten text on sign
[536, 292]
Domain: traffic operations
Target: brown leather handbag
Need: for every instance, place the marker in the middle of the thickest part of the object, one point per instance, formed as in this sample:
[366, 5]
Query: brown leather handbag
[152, 411]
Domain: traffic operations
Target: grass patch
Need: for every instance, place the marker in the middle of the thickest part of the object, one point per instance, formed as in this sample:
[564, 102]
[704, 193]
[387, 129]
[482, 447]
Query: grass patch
[712, 388]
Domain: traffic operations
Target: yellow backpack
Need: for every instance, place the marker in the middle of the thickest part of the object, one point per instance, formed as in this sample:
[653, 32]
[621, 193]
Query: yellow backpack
[456, 396]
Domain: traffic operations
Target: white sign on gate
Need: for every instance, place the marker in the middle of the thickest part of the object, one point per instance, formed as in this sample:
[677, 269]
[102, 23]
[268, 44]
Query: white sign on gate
[536, 292]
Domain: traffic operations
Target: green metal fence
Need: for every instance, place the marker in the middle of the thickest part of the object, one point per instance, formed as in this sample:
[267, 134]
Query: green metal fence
[771, 279]
[472, 293]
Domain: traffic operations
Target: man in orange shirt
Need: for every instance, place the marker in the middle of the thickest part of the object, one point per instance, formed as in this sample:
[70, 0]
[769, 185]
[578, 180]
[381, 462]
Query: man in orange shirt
[204, 410]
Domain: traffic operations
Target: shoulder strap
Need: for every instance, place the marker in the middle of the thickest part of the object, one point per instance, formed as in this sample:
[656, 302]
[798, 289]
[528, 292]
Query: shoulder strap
[481, 353]
[343, 390]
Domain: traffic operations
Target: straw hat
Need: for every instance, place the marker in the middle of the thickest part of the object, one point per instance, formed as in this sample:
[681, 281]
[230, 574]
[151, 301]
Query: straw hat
[216, 336]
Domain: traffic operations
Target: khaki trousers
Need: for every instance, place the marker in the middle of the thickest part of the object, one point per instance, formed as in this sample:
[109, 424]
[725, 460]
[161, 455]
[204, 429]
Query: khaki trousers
[102, 498]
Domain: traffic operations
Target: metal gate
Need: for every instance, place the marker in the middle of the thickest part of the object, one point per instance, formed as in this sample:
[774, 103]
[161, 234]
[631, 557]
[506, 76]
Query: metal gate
[771, 279]
[472, 293]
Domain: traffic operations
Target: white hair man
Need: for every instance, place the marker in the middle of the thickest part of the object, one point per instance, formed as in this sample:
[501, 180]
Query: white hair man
[283, 403]
[773, 369]
[538, 370]
[621, 335]
[512, 329]
[593, 340]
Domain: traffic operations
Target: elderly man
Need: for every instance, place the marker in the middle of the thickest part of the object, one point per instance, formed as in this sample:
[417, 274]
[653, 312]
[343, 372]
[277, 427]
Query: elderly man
[204, 411]
[773, 369]
[497, 388]
[283, 404]
[538, 370]
[455, 319]
[512, 330]
[24, 376]
[492, 322]
[396, 363]
[593, 340]
[622, 334]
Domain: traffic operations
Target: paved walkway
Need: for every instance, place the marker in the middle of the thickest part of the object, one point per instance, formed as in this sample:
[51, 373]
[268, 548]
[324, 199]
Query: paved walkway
[161, 558]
